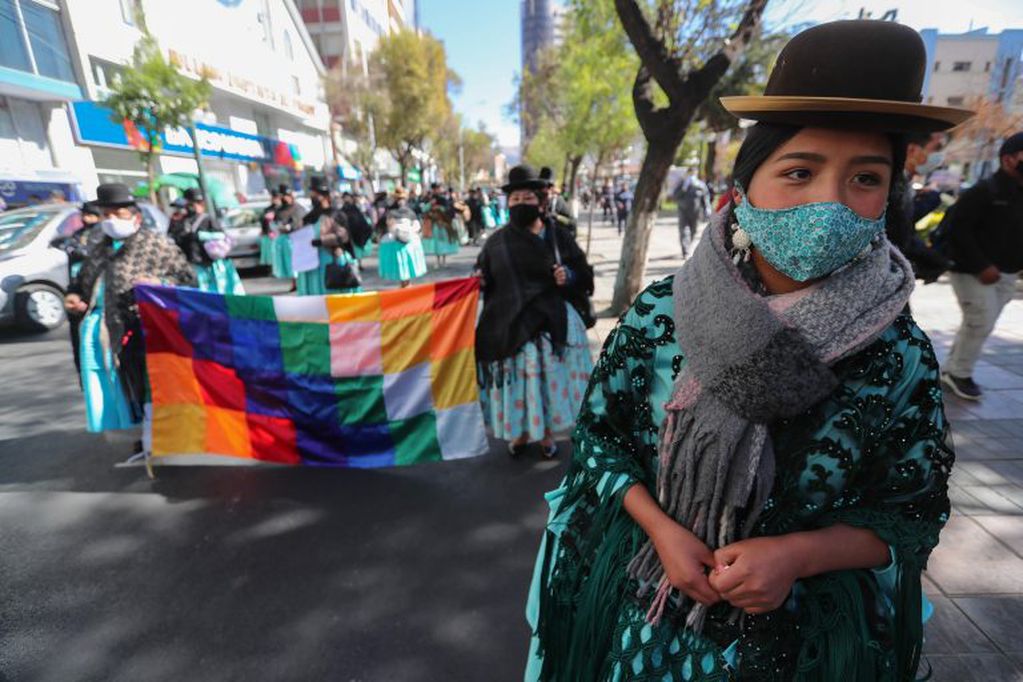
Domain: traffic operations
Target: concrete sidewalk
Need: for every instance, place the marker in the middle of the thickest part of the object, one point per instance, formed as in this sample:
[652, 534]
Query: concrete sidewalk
[975, 576]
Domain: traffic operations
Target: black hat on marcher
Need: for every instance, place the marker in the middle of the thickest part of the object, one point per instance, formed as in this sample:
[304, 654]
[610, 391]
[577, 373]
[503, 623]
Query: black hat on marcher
[862, 74]
[547, 175]
[113, 195]
[1012, 144]
[284, 190]
[193, 195]
[320, 186]
[275, 193]
[523, 177]
[90, 208]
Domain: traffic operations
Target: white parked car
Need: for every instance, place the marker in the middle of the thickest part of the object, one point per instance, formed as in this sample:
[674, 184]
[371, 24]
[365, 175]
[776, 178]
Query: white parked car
[34, 273]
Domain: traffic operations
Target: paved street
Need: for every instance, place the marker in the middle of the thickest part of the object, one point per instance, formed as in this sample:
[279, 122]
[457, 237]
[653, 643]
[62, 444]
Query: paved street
[408, 574]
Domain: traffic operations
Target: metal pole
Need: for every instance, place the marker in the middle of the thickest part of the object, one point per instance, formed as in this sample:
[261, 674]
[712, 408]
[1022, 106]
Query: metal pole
[203, 185]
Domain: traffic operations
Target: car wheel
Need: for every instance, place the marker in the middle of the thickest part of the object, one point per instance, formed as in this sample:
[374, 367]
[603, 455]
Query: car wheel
[39, 308]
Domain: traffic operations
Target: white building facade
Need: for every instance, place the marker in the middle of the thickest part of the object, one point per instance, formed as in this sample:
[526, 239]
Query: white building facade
[267, 121]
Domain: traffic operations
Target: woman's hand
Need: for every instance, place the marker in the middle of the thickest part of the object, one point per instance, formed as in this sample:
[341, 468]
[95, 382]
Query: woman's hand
[73, 303]
[560, 275]
[686, 560]
[756, 575]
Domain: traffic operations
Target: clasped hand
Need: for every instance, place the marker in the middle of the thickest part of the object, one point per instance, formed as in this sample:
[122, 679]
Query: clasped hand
[754, 575]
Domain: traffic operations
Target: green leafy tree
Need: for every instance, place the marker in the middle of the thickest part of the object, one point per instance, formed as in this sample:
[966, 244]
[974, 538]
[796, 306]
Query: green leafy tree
[152, 96]
[416, 79]
[685, 47]
[358, 99]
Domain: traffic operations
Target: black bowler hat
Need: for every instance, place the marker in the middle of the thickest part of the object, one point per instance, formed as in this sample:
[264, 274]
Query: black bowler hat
[547, 175]
[90, 208]
[284, 190]
[320, 186]
[113, 195]
[1012, 144]
[523, 177]
[193, 194]
[862, 74]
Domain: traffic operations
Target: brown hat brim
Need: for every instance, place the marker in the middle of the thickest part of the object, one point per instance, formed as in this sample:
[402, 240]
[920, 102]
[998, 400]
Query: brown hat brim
[845, 112]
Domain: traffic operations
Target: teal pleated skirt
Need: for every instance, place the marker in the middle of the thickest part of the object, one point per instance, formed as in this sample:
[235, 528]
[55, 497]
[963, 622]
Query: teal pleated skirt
[266, 245]
[281, 258]
[106, 407]
[401, 261]
[221, 277]
[439, 244]
[313, 282]
[362, 252]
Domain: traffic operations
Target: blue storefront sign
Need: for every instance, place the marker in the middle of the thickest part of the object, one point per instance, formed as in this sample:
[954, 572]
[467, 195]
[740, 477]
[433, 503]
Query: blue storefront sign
[94, 126]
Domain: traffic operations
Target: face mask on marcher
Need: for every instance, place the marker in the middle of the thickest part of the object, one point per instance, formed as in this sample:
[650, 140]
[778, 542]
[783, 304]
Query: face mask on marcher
[808, 241]
[119, 228]
[933, 163]
[523, 215]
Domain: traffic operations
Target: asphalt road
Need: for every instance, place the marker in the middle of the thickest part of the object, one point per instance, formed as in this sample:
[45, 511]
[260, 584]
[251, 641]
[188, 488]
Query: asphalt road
[223, 573]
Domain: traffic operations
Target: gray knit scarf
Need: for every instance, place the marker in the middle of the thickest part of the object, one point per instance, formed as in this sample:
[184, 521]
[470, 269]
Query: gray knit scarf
[751, 360]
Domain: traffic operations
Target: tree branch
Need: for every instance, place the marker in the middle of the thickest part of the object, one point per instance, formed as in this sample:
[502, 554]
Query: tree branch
[652, 51]
[700, 82]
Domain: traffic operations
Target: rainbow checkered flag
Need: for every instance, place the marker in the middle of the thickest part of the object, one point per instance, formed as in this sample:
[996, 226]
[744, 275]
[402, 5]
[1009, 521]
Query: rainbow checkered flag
[358, 380]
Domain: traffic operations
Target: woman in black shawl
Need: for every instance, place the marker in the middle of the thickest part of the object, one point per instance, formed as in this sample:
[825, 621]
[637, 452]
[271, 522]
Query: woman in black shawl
[531, 346]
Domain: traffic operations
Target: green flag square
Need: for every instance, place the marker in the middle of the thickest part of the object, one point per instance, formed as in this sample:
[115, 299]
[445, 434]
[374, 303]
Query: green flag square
[415, 439]
[251, 307]
[361, 399]
[305, 347]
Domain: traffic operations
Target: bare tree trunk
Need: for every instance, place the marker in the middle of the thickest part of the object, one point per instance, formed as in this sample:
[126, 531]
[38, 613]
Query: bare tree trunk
[594, 183]
[151, 174]
[573, 172]
[665, 127]
[660, 153]
[708, 166]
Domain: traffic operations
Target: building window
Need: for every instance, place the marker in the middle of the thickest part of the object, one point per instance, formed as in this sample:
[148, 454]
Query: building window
[961, 66]
[288, 50]
[13, 53]
[955, 101]
[128, 12]
[296, 84]
[937, 66]
[46, 53]
[987, 67]
[48, 44]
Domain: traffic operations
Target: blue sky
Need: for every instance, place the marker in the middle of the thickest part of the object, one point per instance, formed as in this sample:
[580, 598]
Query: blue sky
[482, 39]
[482, 42]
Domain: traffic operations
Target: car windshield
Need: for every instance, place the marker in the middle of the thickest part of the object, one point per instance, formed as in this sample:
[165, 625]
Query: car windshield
[19, 228]
[246, 216]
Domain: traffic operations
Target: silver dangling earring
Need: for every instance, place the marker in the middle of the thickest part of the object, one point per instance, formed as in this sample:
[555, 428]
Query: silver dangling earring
[741, 245]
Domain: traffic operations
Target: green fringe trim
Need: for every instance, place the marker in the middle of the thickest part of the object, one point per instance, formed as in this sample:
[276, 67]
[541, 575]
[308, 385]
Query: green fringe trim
[580, 602]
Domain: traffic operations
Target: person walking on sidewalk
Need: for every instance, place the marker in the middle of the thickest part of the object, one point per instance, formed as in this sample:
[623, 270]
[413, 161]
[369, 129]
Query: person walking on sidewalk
[693, 200]
[623, 206]
[760, 467]
[983, 236]
[532, 353]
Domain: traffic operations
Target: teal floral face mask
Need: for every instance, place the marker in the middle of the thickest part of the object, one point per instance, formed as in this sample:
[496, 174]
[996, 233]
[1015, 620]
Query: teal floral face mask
[808, 241]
